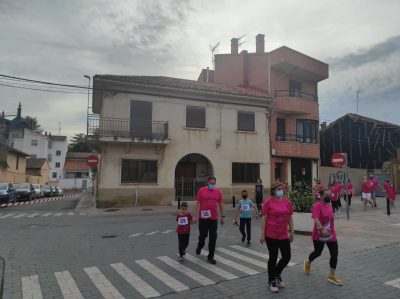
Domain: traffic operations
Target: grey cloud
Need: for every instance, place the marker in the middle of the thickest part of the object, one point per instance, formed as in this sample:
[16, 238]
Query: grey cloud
[377, 52]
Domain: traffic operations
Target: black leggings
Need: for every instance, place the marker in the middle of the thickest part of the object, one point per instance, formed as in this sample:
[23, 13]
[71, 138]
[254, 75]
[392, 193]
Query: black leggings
[183, 243]
[350, 196]
[259, 200]
[274, 245]
[208, 227]
[333, 250]
[245, 222]
[335, 205]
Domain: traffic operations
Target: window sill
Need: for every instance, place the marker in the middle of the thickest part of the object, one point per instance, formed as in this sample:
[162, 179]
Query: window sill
[197, 129]
[246, 132]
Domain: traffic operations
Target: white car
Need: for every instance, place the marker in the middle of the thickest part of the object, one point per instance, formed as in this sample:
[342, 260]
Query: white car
[39, 191]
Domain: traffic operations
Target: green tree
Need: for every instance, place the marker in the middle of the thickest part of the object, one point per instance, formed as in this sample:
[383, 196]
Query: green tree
[79, 143]
[33, 124]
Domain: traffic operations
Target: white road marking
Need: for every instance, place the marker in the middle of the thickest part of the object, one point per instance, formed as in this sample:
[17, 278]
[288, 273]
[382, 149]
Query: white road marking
[152, 233]
[233, 264]
[31, 287]
[394, 283]
[167, 279]
[7, 215]
[20, 215]
[67, 284]
[185, 270]
[261, 264]
[33, 215]
[139, 284]
[104, 286]
[214, 269]
[135, 235]
[70, 214]
[167, 231]
[58, 214]
[257, 253]
[47, 214]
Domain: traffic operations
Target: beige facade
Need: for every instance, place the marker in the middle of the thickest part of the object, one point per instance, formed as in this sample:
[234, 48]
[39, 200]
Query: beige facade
[16, 163]
[216, 146]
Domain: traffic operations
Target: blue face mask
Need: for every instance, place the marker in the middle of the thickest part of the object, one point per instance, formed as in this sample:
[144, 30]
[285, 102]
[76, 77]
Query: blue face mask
[211, 186]
[279, 193]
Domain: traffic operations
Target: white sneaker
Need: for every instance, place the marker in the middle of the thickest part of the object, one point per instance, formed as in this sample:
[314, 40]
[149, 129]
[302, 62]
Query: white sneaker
[279, 282]
[273, 287]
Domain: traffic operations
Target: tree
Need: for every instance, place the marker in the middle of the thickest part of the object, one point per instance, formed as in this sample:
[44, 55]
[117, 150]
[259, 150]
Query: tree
[79, 143]
[33, 124]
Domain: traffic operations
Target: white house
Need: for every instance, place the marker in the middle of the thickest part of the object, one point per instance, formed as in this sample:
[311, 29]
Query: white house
[76, 173]
[57, 151]
[160, 138]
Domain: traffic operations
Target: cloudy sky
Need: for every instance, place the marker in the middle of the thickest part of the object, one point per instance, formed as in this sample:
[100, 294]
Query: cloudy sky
[61, 41]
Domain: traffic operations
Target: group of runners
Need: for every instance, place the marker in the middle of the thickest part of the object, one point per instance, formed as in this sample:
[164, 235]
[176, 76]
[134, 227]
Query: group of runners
[276, 227]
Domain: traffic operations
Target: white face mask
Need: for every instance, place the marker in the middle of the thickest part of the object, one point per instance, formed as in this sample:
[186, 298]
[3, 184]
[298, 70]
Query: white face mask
[279, 193]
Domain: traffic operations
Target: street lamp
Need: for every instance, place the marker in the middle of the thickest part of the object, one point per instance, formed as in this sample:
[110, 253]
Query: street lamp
[88, 100]
[357, 92]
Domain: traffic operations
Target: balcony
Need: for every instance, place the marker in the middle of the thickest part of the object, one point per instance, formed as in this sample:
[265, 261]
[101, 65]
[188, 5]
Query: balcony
[296, 102]
[107, 129]
[291, 145]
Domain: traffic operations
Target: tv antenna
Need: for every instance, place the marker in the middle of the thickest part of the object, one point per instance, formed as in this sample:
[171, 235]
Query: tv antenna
[239, 38]
[213, 50]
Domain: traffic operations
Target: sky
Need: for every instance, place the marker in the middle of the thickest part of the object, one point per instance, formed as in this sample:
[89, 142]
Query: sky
[61, 41]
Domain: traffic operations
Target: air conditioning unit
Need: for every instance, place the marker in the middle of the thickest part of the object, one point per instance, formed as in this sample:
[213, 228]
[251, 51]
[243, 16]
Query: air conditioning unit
[273, 151]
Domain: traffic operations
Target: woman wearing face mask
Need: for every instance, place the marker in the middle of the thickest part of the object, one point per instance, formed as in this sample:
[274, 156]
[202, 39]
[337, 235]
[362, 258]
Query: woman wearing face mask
[324, 233]
[276, 221]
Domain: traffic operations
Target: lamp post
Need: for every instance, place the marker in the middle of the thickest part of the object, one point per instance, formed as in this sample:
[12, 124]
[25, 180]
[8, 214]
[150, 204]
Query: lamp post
[88, 100]
[357, 92]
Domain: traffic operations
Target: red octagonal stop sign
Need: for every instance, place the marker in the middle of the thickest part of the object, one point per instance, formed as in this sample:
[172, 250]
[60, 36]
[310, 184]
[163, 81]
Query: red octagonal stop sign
[92, 160]
[339, 160]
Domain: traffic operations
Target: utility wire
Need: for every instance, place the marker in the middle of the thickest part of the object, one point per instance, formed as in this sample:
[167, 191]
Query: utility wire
[44, 82]
[39, 89]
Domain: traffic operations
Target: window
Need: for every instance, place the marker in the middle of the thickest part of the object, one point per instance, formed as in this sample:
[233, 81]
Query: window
[49, 157]
[70, 175]
[54, 175]
[280, 129]
[57, 164]
[78, 175]
[58, 153]
[306, 131]
[294, 88]
[195, 117]
[50, 145]
[143, 171]
[246, 121]
[34, 142]
[245, 172]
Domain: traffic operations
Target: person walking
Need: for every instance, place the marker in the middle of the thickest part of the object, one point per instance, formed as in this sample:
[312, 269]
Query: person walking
[208, 200]
[324, 233]
[184, 220]
[392, 195]
[335, 193]
[374, 187]
[349, 191]
[245, 206]
[276, 222]
[317, 187]
[259, 194]
[366, 190]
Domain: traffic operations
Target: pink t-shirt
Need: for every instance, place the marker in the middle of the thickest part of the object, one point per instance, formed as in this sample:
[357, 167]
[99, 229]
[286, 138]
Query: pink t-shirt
[386, 186]
[324, 213]
[366, 187]
[183, 221]
[278, 215]
[209, 200]
[349, 188]
[392, 193]
[374, 184]
[335, 190]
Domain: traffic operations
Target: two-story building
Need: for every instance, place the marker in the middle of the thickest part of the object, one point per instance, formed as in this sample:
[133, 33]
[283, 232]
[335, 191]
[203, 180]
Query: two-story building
[160, 138]
[290, 79]
[57, 151]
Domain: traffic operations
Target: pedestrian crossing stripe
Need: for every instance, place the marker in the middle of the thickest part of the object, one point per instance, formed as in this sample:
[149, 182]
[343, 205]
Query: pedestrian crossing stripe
[31, 287]
[27, 215]
[394, 283]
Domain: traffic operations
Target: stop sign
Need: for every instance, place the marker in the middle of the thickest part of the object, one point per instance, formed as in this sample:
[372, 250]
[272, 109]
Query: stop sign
[339, 160]
[92, 160]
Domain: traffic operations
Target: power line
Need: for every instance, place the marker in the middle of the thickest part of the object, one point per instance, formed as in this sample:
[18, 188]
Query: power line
[39, 89]
[45, 82]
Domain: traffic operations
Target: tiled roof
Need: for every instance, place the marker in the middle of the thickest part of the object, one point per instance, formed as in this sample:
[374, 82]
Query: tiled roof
[76, 165]
[35, 163]
[185, 84]
[79, 155]
[57, 138]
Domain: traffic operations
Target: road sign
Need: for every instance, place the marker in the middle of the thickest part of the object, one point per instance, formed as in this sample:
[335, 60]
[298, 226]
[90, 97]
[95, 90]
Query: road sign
[92, 160]
[339, 160]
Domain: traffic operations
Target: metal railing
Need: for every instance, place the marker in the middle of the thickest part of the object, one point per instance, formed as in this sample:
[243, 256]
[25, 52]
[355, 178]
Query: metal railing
[121, 127]
[295, 94]
[186, 188]
[295, 138]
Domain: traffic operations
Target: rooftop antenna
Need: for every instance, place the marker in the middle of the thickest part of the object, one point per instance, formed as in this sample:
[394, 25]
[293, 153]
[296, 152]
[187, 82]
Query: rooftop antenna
[213, 50]
[59, 129]
[239, 38]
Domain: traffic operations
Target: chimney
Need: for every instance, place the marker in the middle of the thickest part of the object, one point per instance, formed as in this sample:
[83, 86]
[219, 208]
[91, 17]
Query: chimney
[260, 43]
[323, 125]
[234, 46]
[208, 75]
[19, 110]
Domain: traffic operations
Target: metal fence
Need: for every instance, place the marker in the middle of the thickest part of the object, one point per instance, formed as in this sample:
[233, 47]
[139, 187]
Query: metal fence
[186, 188]
[295, 93]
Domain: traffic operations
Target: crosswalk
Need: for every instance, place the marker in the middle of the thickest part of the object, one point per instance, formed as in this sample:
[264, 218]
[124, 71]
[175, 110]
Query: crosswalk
[149, 278]
[34, 215]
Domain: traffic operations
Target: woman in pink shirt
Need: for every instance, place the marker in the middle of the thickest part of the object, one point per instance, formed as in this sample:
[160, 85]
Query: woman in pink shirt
[392, 195]
[335, 193]
[349, 191]
[366, 191]
[275, 223]
[324, 233]
[318, 187]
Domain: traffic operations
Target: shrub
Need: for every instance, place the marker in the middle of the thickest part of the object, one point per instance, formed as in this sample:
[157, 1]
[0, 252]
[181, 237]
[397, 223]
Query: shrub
[301, 196]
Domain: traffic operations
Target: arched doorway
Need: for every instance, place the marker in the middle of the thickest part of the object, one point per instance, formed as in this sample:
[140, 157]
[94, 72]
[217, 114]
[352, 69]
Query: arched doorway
[191, 173]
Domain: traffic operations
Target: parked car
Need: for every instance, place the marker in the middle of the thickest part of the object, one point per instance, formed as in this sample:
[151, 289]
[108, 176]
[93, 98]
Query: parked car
[7, 193]
[39, 192]
[48, 191]
[56, 192]
[60, 192]
[24, 191]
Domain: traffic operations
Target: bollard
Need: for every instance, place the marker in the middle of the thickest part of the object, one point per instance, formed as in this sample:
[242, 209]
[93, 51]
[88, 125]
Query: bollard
[233, 201]
[179, 203]
[387, 207]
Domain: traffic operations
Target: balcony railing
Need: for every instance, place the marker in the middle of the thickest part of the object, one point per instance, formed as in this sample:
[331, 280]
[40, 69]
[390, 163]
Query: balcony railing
[295, 138]
[295, 94]
[126, 128]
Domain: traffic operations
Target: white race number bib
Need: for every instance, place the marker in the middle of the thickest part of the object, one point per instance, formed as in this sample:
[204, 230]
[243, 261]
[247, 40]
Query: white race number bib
[206, 214]
[245, 208]
[183, 221]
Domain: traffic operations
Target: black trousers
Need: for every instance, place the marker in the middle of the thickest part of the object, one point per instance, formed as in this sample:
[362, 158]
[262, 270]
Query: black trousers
[350, 195]
[245, 222]
[208, 228]
[259, 203]
[335, 205]
[183, 240]
[333, 250]
[275, 245]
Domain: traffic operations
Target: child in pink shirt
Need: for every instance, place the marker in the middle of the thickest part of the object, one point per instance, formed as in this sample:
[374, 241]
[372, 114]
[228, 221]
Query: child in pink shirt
[184, 219]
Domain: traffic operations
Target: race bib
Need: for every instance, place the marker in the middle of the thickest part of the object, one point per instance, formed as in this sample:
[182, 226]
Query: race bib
[245, 208]
[206, 214]
[328, 237]
[183, 221]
